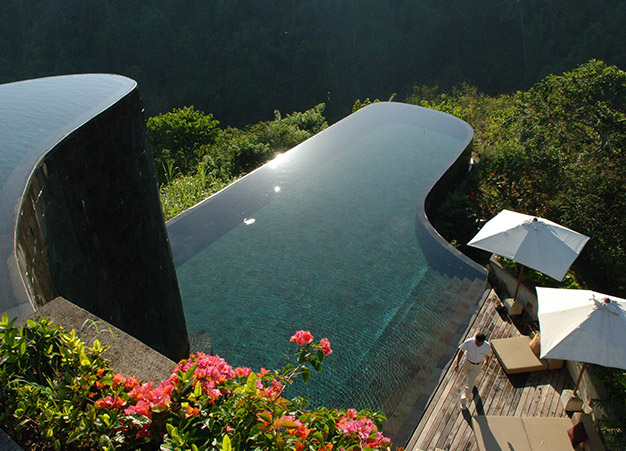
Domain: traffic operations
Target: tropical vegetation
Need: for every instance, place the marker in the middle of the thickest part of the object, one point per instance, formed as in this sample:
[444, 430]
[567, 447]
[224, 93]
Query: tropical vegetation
[58, 393]
[241, 59]
[195, 158]
[556, 151]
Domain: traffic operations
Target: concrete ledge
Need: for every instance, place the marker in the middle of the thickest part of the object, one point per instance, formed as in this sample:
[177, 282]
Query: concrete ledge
[6, 444]
[126, 354]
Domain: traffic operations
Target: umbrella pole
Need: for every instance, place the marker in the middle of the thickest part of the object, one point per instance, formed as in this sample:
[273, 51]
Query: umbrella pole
[519, 281]
[580, 375]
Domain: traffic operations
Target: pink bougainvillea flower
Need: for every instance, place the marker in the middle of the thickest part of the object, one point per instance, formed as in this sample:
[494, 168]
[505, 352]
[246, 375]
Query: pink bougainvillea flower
[302, 337]
[118, 379]
[131, 382]
[301, 432]
[242, 371]
[273, 391]
[141, 408]
[326, 346]
[364, 430]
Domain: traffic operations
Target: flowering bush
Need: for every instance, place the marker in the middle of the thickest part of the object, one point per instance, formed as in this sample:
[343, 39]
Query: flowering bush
[205, 404]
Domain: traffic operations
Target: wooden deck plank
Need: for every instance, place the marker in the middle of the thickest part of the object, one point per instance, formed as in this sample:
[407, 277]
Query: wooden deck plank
[444, 425]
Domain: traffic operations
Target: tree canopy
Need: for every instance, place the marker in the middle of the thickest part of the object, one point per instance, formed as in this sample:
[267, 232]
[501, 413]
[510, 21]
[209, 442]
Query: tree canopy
[556, 151]
[242, 59]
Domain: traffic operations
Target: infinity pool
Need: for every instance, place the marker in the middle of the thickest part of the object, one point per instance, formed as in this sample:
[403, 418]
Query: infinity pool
[325, 238]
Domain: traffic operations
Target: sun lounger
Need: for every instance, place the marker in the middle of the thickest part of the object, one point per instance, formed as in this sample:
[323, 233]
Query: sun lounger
[495, 433]
[515, 356]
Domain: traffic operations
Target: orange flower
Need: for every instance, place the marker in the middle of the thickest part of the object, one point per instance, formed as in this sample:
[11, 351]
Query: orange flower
[192, 411]
[100, 372]
[118, 379]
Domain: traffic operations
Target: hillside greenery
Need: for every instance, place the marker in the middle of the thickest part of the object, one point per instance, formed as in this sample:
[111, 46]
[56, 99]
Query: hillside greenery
[555, 151]
[241, 59]
[195, 158]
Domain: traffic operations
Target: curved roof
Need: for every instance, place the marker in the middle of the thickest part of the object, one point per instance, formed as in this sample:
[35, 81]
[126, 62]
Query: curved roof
[36, 115]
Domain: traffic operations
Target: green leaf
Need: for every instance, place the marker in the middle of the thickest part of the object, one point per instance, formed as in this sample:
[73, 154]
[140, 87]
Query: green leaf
[306, 374]
[288, 424]
[251, 385]
[197, 391]
[265, 417]
[316, 363]
[159, 409]
[287, 368]
[318, 436]
[226, 445]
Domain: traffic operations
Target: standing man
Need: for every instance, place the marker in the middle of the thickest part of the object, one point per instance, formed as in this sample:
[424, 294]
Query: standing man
[477, 354]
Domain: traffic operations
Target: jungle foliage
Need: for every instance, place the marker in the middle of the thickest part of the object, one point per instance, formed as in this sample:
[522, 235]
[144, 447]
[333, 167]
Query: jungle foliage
[555, 151]
[241, 59]
[195, 158]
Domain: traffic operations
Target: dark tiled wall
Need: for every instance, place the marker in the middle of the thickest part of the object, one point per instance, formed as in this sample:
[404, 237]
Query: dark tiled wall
[91, 230]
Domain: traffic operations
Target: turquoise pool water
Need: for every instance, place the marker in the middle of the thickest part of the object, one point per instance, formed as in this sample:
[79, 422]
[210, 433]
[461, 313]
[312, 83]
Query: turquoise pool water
[324, 239]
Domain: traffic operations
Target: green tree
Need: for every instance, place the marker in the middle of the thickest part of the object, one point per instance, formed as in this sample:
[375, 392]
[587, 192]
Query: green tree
[559, 154]
[181, 137]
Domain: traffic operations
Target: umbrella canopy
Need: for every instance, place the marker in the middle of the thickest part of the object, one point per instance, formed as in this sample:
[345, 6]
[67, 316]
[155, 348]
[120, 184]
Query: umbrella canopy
[582, 325]
[534, 242]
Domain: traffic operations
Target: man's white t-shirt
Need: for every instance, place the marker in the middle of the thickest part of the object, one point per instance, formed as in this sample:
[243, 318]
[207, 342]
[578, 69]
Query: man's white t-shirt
[474, 353]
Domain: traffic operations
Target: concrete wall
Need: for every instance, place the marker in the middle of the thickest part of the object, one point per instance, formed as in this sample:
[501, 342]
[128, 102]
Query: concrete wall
[125, 354]
[91, 229]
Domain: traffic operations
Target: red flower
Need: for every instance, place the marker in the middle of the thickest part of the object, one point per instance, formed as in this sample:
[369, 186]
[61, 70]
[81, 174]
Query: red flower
[326, 346]
[110, 403]
[302, 337]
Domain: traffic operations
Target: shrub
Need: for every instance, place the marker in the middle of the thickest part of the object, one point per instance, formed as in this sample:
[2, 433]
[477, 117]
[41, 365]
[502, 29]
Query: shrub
[57, 393]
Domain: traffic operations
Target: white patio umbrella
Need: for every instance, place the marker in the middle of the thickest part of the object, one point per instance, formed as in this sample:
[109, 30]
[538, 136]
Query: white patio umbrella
[534, 242]
[582, 325]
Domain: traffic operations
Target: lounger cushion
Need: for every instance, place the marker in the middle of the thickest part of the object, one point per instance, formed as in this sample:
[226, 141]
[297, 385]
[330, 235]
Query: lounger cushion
[548, 433]
[500, 433]
[593, 442]
[515, 355]
[495, 433]
[577, 434]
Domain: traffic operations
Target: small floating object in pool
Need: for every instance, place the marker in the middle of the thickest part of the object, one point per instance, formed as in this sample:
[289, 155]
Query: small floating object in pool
[277, 189]
[248, 221]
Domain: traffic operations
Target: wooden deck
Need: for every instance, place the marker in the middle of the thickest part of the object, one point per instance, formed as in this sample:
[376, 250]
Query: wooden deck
[445, 426]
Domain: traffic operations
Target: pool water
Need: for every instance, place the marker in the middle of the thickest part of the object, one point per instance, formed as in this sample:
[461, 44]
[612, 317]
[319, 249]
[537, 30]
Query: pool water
[324, 239]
